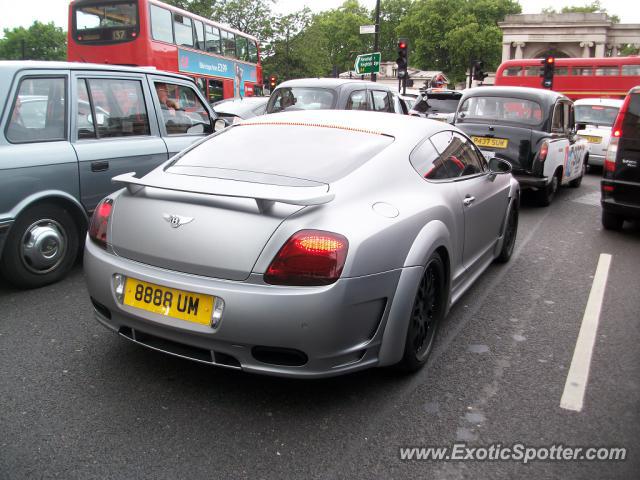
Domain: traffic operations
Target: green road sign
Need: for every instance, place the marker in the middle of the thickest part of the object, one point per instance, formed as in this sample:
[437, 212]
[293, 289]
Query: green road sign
[367, 63]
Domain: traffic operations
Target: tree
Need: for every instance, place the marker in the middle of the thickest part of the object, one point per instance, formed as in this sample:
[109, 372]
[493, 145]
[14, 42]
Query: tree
[38, 42]
[593, 7]
[447, 34]
[391, 14]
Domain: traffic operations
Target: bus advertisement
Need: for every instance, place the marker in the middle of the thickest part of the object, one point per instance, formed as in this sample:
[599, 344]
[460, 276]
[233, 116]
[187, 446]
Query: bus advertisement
[224, 62]
[609, 77]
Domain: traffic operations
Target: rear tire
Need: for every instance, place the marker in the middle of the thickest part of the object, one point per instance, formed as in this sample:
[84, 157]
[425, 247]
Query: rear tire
[611, 221]
[41, 247]
[510, 232]
[428, 310]
[545, 196]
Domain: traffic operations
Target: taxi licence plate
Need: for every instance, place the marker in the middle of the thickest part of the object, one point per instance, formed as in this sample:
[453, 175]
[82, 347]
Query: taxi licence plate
[490, 142]
[170, 302]
[592, 139]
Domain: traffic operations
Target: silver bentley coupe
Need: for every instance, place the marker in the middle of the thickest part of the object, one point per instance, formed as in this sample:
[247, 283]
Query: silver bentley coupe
[302, 244]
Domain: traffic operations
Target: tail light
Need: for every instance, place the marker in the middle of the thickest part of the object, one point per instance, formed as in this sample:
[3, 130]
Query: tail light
[100, 222]
[610, 156]
[544, 151]
[616, 131]
[309, 257]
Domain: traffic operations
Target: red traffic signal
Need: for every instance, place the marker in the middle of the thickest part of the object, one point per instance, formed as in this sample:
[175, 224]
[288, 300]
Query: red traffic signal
[550, 59]
[402, 45]
[272, 81]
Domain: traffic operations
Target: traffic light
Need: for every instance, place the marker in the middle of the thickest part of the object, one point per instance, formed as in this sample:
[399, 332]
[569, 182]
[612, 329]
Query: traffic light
[403, 57]
[273, 80]
[478, 71]
[548, 70]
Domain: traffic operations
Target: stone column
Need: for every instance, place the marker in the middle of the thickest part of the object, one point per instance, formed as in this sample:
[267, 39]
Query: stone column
[519, 49]
[506, 51]
[614, 49]
[586, 46]
[599, 49]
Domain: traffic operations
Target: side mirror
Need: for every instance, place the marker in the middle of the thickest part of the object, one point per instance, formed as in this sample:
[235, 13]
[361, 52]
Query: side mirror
[499, 166]
[580, 126]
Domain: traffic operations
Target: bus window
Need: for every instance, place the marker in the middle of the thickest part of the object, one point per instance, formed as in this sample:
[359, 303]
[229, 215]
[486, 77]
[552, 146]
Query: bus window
[561, 71]
[201, 85]
[228, 44]
[182, 29]
[108, 22]
[512, 71]
[581, 71]
[242, 48]
[631, 70]
[199, 36]
[532, 71]
[161, 24]
[215, 91]
[253, 52]
[212, 39]
[607, 71]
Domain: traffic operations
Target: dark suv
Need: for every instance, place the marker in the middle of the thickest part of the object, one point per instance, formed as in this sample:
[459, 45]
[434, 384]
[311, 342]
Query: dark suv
[621, 173]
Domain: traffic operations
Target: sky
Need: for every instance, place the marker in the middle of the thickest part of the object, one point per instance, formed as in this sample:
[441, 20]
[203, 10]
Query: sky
[24, 12]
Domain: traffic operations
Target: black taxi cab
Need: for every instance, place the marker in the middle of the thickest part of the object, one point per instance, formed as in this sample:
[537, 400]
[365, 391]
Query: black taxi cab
[531, 128]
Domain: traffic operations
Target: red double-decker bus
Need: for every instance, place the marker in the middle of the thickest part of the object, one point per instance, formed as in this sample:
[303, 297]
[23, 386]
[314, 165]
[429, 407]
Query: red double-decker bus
[609, 77]
[224, 62]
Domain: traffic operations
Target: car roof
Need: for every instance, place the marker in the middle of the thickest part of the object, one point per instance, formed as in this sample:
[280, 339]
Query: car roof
[401, 127]
[333, 83]
[606, 102]
[537, 94]
[12, 66]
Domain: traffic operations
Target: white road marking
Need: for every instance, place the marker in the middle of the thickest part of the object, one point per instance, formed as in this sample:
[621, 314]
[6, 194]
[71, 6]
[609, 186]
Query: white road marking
[576, 384]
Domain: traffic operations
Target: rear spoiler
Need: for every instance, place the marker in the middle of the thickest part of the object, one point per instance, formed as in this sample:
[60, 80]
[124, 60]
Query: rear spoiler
[264, 194]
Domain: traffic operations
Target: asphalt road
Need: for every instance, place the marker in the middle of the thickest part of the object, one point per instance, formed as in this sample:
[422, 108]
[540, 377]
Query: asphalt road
[76, 401]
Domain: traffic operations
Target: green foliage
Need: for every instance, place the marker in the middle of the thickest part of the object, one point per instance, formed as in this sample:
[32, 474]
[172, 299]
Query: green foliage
[629, 49]
[38, 42]
[204, 8]
[593, 7]
[448, 34]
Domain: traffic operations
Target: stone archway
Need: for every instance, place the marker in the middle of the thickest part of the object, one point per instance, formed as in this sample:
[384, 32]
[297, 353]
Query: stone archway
[554, 52]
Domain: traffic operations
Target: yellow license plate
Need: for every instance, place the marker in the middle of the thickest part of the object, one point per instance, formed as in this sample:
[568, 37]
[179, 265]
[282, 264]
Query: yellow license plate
[188, 306]
[490, 142]
[592, 139]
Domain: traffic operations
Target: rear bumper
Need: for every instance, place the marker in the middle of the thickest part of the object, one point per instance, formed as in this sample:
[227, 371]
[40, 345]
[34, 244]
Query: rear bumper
[530, 182]
[338, 328]
[622, 209]
[597, 160]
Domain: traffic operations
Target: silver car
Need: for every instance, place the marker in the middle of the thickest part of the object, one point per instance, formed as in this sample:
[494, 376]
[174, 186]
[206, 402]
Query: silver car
[301, 244]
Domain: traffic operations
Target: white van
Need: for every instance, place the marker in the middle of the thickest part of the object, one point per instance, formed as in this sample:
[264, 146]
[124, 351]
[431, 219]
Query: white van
[594, 118]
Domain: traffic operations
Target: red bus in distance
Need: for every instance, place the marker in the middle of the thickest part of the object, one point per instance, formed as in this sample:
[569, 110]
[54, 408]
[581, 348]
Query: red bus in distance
[609, 77]
[224, 62]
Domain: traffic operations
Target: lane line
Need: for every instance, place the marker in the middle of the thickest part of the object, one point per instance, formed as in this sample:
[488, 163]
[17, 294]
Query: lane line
[576, 384]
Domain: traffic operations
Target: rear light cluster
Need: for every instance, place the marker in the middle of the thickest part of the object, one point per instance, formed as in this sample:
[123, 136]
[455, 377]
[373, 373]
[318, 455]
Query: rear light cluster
[616, 131]
[309, 257]
[610, 156]
[100, 222]
[544, 151]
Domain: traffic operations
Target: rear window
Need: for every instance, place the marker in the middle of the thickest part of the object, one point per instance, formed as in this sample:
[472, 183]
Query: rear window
[313, 153]
[435, 103]
[301, 98]
[500, 109]
[596, 114]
